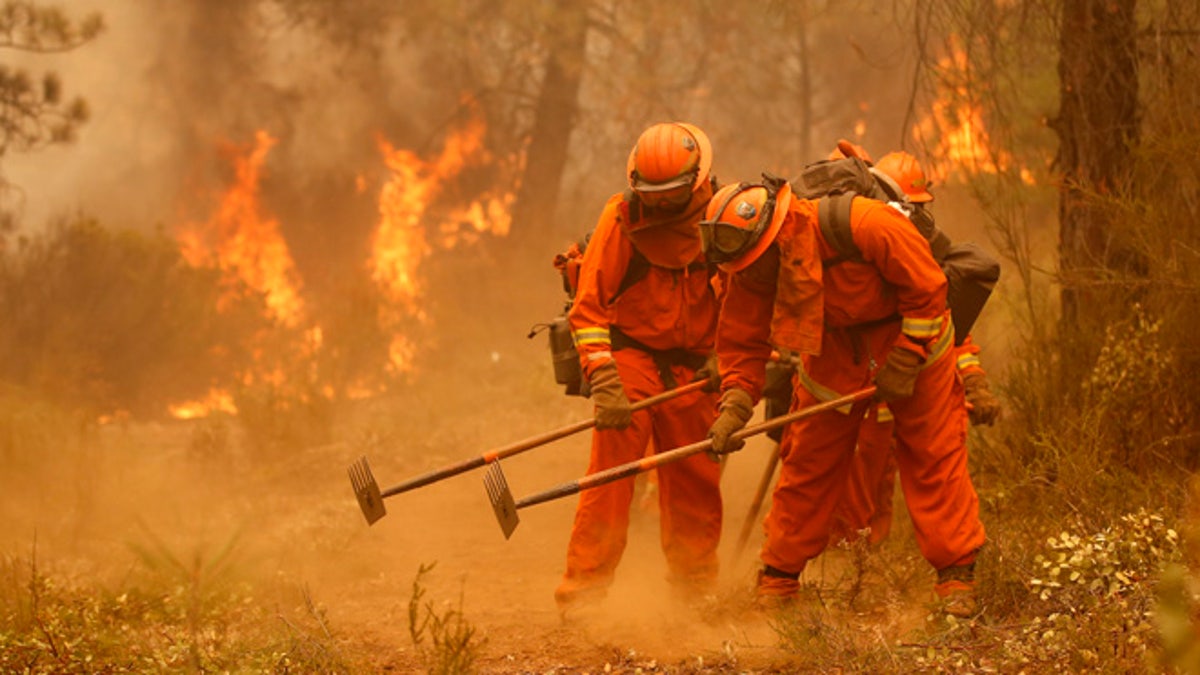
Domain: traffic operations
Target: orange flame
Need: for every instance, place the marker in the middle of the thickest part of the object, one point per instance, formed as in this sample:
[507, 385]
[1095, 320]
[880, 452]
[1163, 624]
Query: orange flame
[248, 248]
[246, 245]
[402, 239]
[956, 120]
[214, 401]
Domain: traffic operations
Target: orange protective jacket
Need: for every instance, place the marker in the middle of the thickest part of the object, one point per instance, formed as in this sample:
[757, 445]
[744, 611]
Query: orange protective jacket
[668, 309]
[790, 308]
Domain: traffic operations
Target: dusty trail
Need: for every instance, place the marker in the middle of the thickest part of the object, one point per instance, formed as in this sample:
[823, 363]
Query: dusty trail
[297, 527]
[506, 586]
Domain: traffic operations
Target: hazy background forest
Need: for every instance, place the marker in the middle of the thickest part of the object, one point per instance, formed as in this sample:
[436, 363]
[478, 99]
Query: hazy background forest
[244, 242]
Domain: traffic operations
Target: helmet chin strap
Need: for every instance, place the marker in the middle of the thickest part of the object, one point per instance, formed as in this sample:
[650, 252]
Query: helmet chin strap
[725, 204]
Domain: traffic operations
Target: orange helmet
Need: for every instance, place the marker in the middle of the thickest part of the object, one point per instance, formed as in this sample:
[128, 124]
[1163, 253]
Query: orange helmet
[742, 220]
[908, 174]
[669, 161]
[845, 149]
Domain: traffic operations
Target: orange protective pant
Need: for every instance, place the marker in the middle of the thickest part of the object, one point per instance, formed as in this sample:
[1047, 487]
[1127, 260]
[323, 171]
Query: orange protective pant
[689, 489]
[867, 502]
[931, 457]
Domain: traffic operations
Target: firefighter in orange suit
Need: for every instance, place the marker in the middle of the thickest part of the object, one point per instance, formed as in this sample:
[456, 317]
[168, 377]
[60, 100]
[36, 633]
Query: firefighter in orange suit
[904, 169]
[637, 338]
[882, 321]
[867, 503]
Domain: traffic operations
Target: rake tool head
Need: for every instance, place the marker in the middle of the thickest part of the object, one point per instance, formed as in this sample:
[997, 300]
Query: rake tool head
[501, 498]
[366, 490]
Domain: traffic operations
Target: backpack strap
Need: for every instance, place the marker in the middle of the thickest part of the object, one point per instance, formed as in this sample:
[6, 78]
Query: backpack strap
[635, 271]
[634, 203]
[639, 266]
[833, 215]
[889, 187]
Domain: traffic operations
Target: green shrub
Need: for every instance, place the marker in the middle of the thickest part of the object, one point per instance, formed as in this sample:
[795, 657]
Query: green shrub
[109, 322]
[1076, 572]
[190, 613]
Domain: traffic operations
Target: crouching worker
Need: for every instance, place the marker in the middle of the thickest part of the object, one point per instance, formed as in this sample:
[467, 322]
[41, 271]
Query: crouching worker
[868, 499]
[644, 321]
[881, 321]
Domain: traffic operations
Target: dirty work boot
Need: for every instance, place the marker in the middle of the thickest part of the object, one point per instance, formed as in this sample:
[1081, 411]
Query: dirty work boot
[776, 589]
[955, 589]
[579, 602]
[693, 591]
[579, 606]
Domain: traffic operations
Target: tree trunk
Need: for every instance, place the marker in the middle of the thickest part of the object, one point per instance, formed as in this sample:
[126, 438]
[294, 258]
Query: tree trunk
[1097, 127]
[537, 199]
[806, 113]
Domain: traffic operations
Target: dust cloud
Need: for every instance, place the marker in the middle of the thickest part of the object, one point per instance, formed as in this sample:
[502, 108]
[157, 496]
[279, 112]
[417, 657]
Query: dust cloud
[292, 526]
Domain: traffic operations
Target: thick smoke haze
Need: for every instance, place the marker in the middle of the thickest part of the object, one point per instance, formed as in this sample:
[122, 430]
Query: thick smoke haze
[169, 84]
[106, 171]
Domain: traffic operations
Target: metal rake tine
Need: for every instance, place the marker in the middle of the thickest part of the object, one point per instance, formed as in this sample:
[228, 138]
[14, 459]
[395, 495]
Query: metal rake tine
[501, 498]
[359, 475]
[366, 490]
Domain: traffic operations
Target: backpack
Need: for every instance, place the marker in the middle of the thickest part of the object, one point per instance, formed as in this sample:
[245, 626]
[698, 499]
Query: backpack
[970, 271]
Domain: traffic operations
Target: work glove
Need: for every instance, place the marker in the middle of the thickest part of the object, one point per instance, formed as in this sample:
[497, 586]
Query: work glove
[982, 406]
[710, 372]
[898, 376]
[734, 412]
[612, 407]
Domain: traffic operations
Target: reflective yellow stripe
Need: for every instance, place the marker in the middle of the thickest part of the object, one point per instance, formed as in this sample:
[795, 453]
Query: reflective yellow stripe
[968, 361]
[938, 349]
[921, 328]
[822, 393]
[591, 336]
[883, 413]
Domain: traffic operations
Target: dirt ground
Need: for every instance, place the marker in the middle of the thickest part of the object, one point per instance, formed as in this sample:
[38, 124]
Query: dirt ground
[297, 525]
[507, 586]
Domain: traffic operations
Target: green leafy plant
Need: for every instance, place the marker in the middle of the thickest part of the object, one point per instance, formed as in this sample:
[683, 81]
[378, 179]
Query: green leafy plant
[312, 648]
[196, 583]
[1078, 571]
[443, 637]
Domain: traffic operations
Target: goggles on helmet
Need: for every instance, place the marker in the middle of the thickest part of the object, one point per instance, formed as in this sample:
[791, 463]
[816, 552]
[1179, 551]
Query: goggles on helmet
[669, 197]
[725, 241]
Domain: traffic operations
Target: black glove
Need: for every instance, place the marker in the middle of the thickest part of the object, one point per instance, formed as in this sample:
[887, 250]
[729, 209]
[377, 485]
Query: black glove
[710, 372]
[736, 410]
[613, 410]
[898, 376]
